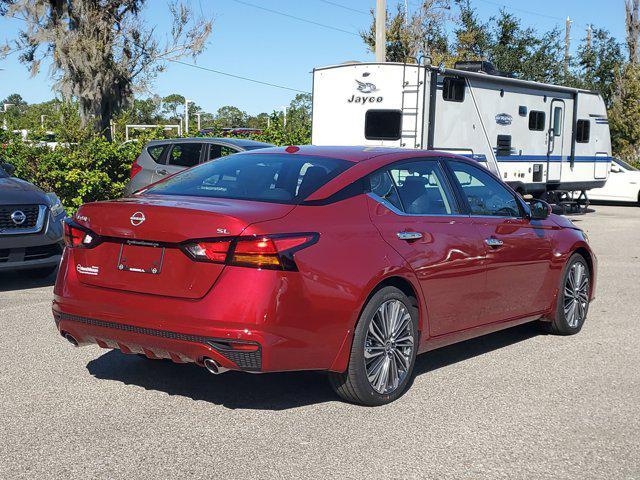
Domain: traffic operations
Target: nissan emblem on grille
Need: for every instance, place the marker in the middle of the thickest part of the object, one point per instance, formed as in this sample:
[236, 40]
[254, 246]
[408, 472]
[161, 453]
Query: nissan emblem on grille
[18, 217]
[137, 218]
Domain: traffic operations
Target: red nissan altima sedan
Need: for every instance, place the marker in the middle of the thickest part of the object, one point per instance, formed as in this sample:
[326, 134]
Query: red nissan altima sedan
[348, 260]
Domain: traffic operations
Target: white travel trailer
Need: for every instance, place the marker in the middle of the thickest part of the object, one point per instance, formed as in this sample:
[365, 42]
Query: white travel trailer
[541, 139]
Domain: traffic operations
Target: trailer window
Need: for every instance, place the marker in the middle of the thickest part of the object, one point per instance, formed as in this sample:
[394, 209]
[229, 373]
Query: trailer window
[583, 131]
[536, 120]
[383, 125]
[453, 89]
[557, 121]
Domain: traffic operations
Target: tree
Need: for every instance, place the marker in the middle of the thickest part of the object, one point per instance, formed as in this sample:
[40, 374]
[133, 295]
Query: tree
[421, 34]
[624, 115]
[230, 117]
[473, 39]
[173, 106]
[100, 50]
[299, 111]
[600, 64]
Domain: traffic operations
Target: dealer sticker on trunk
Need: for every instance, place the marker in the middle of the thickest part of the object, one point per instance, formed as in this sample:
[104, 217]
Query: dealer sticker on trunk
[88, 270]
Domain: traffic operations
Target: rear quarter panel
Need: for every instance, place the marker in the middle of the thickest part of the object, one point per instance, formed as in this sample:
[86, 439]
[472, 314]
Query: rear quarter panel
[338, 273]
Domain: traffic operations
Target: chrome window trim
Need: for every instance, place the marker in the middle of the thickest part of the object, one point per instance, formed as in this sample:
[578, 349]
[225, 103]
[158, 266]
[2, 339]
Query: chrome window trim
[42, 210]
[397, 211]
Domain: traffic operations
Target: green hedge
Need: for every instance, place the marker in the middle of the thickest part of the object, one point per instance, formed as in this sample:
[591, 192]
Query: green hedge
[91, 171]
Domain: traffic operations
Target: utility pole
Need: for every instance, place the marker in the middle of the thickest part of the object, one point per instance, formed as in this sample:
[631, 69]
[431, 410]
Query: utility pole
[589, 31]
[284, 110]
[381, 31]
[566, 46]
[186, 115]
[198, 115]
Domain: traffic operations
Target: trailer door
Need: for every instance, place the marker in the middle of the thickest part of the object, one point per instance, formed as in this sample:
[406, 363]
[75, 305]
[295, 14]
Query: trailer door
[555, 143]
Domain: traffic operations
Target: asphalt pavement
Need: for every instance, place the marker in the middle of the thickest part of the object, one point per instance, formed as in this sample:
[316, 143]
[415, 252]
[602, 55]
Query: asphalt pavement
[512, 405]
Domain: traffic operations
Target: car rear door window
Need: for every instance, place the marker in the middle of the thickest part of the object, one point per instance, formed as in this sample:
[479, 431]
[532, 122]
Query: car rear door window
[185, 154]
[217, 151]
[156, 151]
[484, 193]
[417, 187]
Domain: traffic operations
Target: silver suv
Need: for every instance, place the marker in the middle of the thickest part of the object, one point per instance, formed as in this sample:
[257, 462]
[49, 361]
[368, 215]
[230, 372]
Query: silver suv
[161, 158]
[30, 226]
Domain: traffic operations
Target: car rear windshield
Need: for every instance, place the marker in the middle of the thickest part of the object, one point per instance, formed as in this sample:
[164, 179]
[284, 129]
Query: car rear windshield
[277, 178]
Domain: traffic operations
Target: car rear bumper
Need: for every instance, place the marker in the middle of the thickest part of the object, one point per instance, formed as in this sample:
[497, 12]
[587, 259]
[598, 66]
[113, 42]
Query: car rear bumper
[155, 343]
[273, 311]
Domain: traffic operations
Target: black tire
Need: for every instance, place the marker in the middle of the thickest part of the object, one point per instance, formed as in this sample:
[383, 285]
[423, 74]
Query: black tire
[43, 272]
[353, 384]
[560, 325]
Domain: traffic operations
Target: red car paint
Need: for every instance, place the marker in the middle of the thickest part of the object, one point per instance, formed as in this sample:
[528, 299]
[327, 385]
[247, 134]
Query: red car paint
[304, 318]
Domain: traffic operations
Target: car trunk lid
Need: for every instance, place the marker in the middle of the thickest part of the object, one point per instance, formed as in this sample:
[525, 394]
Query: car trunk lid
[140, 239]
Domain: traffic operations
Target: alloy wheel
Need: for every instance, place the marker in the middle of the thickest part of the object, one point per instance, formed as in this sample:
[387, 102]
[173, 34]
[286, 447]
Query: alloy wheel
[576, 294]
[388, 348]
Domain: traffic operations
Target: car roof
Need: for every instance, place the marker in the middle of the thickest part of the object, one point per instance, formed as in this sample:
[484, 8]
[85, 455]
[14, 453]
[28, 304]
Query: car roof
[238, 142]
[349, 153]
[366, 160]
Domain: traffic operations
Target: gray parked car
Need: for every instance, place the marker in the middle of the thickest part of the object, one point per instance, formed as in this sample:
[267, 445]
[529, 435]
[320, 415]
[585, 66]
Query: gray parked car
[161, 158]
[30, 226]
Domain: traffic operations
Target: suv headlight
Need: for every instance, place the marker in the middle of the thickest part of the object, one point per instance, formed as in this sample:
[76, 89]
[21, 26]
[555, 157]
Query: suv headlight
[55, 205]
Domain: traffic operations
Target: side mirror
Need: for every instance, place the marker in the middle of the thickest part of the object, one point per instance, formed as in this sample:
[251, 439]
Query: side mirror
[539, 210]
[7, 167]
[615, 169]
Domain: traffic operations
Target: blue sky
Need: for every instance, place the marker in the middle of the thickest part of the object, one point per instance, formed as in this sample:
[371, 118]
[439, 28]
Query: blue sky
[256, 43]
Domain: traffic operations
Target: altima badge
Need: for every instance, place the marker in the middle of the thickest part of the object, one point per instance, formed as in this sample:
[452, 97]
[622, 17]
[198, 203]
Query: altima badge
[137, 218]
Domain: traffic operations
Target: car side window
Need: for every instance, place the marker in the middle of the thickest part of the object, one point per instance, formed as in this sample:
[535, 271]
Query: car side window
[485, 194]
[155, 152]
[185, 154]
[217, 151]
[416, 187]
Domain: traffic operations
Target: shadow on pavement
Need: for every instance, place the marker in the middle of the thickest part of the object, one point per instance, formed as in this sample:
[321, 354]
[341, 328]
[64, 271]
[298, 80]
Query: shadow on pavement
[24, 280]
[274, 391]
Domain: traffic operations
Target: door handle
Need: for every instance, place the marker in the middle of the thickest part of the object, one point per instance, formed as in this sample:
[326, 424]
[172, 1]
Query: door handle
[409, 235]
[494, 242]
[161, 172]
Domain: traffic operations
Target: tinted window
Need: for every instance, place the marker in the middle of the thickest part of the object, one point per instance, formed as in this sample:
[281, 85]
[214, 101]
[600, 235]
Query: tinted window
[383, 125]
[185, 154]
[381, 184]
[155, 151]
[453, 89]
[485, 194]
[536, 120]
[217, 151]
[278, 178]
[583, 131]
[417, 188]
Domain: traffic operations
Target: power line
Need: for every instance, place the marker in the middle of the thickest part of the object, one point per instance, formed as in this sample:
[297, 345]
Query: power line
[219, 72]
[529, 12]
[199, 67]
[300, 19]
[344, 7]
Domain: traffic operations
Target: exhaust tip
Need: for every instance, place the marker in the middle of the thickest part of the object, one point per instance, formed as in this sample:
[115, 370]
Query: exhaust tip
[71, 339]
[213, 367]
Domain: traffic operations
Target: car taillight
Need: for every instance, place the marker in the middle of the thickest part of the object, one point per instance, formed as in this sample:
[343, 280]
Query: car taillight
[215, 252]
[78, 237]
[273, 252]
[135, 169]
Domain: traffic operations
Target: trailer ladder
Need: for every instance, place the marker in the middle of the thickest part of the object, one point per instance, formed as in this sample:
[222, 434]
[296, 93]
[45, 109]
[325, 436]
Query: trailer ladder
[411, 88]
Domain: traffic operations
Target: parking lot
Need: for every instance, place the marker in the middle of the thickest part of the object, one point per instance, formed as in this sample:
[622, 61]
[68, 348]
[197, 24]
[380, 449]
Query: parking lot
[515, 404]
